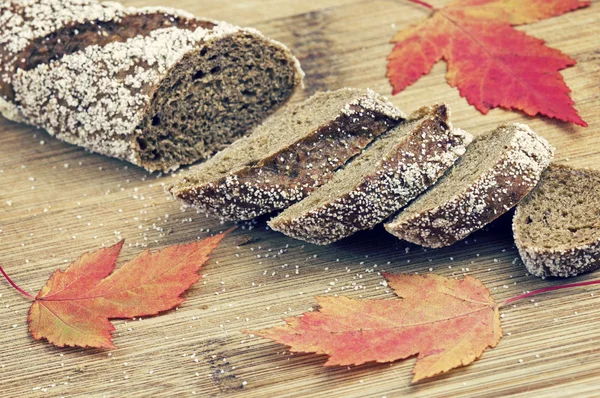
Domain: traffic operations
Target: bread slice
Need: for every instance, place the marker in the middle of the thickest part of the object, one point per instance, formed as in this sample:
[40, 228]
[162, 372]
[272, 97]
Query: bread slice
[288, 156]
[497, 171]
[557, 226]
[162, 100]
[376, 184]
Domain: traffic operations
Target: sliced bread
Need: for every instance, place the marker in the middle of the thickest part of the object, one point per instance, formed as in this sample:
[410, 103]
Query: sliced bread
[497, 171]
[557, 226]
[387, 175]
[288, 156]
[161, 100]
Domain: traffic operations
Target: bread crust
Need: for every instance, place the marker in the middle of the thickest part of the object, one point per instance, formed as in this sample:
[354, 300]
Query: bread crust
[492, 194]
[23, 21]
[563, 263]
[416, 163]
[296, 170]
[555, 262]
[97, 98]
[31, 30]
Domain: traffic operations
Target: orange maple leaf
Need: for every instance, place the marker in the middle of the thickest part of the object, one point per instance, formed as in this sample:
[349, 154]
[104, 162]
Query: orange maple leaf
[447, 322]
[491, 64]
[75, 305]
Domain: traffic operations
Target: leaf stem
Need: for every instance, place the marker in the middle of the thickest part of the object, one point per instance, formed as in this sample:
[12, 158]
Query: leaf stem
[549, 289]
[424, 4]
[23, 292]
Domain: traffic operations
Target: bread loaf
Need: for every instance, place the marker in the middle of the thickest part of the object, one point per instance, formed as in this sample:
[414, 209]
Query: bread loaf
[162, 99]
[497, 171]
[376, 184]
[288, 156]
[557, 226]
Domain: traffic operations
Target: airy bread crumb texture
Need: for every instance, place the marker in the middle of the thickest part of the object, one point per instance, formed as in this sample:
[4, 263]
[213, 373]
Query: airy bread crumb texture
[288, 156]
[557, 226]
[376, 184]
[497, 171]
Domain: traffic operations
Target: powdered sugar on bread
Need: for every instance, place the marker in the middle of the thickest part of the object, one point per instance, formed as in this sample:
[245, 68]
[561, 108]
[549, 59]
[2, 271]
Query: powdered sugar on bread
[23, 21]
[413, 159]
[27, 25]
[492, 192]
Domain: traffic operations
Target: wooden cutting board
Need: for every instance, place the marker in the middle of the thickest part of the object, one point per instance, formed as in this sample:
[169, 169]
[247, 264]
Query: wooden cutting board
[57, 201]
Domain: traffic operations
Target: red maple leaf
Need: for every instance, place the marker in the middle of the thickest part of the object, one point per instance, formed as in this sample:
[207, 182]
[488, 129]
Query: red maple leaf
[75, 306]
[491, 64]
[446, 322]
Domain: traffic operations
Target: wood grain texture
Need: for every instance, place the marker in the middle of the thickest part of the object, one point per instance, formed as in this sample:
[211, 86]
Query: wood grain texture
[57, 201]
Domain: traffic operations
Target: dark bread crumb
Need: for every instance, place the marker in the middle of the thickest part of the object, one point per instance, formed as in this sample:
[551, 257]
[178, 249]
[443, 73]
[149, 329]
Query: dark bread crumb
[557, 226]
[212, 97]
